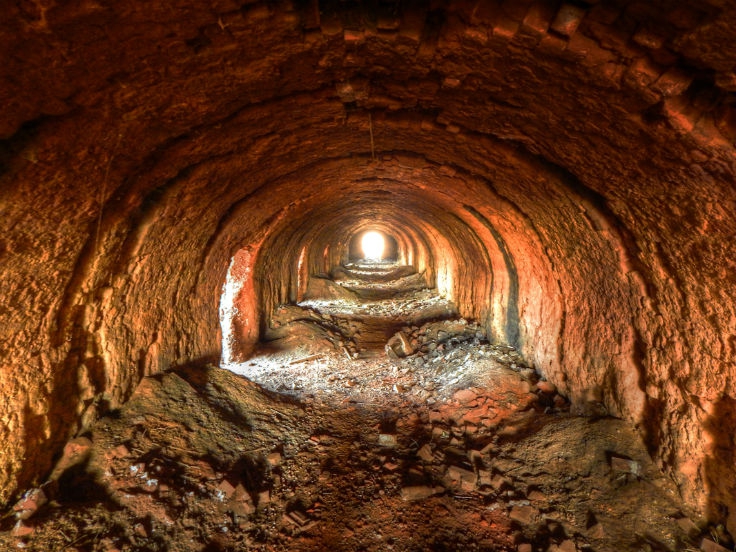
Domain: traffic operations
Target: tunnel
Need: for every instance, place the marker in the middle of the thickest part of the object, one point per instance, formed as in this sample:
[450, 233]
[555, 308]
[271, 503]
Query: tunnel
[184, 187]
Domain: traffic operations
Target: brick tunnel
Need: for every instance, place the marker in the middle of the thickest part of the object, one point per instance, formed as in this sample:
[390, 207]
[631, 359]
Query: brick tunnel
[182, 187]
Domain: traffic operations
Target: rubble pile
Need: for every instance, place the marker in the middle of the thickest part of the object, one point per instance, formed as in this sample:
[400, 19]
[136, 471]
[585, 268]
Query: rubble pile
[205, 456]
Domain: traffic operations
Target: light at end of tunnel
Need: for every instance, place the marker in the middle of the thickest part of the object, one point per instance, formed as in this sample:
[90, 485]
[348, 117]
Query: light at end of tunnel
[373, 245]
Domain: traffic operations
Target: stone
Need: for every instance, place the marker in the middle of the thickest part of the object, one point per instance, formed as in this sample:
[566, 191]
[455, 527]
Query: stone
[546, 387]
[524, 547]
[568, 19]
[525, 515]
[75, 452]
[464, 396]
[387, 440]
[537, 496]
[274, 459]
[226, 488]
[30, 503]
[420, 492]
[400, 345]
[707, 545]
[121, 451]
[20, 529]
[688, 527]
[425, 453]
[624, 465]
[462, 478]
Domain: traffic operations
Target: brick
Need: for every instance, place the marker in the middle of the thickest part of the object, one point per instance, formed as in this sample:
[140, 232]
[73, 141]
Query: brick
[581, 46]
[451, 83]
[476, 34]
[538, 18]
[412, 25]
[673, 82]
[551, 44]
[330, 24]
[647, 38]
[568, 19]
[505, 28]
[352, 36]
[642, 73]
[727, 81]
[681, 115]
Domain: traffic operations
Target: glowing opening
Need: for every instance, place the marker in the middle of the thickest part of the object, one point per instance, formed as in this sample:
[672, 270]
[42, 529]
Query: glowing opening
[373, 245]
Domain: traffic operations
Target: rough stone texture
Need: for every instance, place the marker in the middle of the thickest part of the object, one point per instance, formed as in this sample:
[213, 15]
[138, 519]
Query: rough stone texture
[565, 177]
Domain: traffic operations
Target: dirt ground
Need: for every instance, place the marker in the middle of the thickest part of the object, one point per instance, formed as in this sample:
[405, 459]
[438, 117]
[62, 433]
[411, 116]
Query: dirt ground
[439, 442]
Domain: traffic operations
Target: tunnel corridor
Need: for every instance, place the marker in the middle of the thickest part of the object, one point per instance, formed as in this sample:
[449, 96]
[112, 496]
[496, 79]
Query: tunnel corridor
[196, 353]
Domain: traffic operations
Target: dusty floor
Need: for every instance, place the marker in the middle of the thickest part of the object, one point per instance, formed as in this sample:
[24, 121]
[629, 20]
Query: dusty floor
[442, 442]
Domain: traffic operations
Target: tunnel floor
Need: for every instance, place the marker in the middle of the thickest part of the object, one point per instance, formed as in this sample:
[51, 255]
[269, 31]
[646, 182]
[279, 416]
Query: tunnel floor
[379, 421]
[204, 459]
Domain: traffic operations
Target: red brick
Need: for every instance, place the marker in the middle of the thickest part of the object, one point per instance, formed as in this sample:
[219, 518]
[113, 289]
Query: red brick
[568, 19]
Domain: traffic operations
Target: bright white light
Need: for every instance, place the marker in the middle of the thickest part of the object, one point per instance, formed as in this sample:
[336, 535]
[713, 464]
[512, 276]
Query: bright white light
[373, 245]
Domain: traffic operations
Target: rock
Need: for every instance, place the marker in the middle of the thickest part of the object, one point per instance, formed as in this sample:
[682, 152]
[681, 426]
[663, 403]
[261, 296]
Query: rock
[525, 547]
[537, 496]
[525, 515]
[400, 345]
[226, 489]
[264, 497]
[464, 396]
[274, 459]
[688, 527]
[425, 453]
[297, 518]
[625, 465]
[241, 503]
[546, 387]
[459, 477]
[75, 451]
[708, 545]
[387, 440]
[420, 492]
[29, 503]
[21, 529]
[121, 451]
